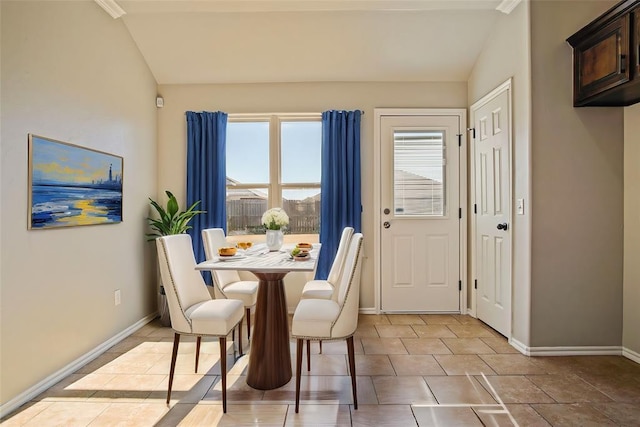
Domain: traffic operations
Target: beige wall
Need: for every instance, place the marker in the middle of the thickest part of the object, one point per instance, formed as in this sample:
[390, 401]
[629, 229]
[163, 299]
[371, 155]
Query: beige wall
[631, 323]
[577, 200]
[72, 73]
[506, 55]
[296, 97]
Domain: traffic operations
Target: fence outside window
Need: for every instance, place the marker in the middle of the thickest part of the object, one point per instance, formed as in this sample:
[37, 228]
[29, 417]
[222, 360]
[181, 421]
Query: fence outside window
[244, 216]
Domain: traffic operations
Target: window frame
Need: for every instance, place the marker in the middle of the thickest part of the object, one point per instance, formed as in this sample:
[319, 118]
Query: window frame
[275, 186]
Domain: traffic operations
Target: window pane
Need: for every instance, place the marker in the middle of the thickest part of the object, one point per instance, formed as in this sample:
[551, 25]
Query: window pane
[303, 207]
[248, 152]
[300, 151]
[244, 210]
[419, 171]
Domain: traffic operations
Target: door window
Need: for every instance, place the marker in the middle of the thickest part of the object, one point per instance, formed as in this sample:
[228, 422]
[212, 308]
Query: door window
[419, 173]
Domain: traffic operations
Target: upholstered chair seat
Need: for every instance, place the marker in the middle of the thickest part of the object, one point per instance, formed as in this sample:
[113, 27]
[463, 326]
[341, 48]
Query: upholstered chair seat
[214, 317]
[314, 318]
[317, 289]
[324, 288]
[244, 290]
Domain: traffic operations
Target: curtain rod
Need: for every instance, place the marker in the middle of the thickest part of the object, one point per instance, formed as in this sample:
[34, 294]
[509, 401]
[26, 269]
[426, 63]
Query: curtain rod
[286, 114]
[361, 111]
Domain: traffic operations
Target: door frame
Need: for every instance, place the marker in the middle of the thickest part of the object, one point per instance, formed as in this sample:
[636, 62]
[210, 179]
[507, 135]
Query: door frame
[378, 113]
[504, 87]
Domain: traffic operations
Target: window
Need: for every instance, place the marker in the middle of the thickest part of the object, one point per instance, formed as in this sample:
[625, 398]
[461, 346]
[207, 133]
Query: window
[273, 160]
[419, 171]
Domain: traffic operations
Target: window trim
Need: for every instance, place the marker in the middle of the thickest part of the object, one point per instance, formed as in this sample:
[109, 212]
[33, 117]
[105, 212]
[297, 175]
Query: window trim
[275, 186]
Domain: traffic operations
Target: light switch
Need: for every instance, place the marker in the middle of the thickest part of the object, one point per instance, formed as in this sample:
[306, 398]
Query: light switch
[520, 206]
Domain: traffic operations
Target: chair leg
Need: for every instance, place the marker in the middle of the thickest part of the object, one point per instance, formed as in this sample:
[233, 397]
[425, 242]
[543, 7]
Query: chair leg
[309, 355]
[352, 369]
[174, 356]
[298, 371]
[248, 323]
[320, 346]
[223, 371]
[198, 340]
[240, 338]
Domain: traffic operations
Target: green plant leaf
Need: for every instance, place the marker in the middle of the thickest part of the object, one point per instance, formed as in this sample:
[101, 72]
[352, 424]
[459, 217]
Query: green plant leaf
[172, 205]
[170, 220]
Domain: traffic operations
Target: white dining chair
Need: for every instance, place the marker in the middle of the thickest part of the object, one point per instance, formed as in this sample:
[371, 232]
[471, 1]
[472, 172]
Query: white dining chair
[328, 319]
[193, 311]
[324, 289]
[227, 283]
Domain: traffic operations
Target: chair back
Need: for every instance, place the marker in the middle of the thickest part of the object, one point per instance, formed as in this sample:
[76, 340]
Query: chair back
[212, 239]
[182, 283]
[349, 290]
[338, 261]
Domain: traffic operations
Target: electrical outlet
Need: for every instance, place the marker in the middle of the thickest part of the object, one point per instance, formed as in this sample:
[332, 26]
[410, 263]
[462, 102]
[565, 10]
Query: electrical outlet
[116, 297]
[520, 206]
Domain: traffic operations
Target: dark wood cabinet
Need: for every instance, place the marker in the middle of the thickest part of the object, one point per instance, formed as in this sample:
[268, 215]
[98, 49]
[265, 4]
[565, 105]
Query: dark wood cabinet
[606, 55]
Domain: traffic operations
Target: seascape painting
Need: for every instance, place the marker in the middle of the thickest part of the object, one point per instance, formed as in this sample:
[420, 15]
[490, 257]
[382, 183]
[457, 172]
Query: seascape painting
[71, 185]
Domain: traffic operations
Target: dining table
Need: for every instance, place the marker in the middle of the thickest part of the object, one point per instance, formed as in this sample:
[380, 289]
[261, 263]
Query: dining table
[270, 356]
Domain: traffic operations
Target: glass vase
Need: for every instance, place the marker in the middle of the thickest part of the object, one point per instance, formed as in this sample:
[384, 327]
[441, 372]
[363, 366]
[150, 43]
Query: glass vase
[275, 238]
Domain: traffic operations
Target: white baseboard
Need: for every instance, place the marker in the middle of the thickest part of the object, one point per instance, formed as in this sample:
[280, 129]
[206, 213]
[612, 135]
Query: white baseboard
[519, 346]
[630, 354]
[368, 310]
[566, 351]
[54, 378]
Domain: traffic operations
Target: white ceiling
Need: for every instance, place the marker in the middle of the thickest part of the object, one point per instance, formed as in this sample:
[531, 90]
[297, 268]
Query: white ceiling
[255, 41]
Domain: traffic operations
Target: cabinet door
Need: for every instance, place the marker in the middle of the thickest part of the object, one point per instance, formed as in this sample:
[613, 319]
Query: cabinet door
[602, 60]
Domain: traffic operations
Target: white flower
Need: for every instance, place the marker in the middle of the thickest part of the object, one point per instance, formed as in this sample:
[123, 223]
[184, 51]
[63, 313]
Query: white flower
[275, 219]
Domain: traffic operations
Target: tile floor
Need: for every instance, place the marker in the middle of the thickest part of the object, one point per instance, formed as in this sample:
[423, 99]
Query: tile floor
[413, 370]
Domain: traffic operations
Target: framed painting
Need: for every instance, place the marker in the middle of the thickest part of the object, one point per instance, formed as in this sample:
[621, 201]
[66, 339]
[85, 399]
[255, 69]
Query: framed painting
[71, 185]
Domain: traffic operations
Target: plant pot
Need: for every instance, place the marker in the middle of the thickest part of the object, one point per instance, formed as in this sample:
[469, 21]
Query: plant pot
[163, 308]
[275, 239]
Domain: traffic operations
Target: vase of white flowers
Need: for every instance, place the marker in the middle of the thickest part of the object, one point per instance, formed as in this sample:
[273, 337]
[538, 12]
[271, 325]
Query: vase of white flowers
[274, 220]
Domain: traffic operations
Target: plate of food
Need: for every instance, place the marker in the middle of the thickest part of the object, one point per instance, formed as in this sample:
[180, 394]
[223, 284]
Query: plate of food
[300, 254]
[230, 257]
[227, 253]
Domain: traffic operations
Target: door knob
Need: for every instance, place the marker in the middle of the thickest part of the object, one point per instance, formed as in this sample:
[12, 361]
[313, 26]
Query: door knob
[503, 226]
[386, 224]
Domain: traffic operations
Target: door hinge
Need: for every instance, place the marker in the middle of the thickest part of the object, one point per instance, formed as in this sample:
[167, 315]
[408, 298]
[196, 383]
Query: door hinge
[475, 284]
[460, 213]
[459, 139]
[473, 132]
[475, 208]
[460, 285]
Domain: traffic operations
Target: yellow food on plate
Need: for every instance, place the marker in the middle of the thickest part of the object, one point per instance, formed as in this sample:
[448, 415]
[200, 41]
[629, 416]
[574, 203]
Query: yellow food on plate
[244, 245]
[305, 245]
[227, 251]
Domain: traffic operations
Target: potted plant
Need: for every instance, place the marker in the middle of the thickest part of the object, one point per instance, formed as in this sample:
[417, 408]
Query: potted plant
[169, 220]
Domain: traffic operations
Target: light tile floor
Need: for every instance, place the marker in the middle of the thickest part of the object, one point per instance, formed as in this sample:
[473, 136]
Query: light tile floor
[413, 370]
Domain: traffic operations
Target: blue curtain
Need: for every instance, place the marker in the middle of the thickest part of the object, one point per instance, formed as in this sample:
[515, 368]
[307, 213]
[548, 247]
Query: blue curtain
[341, 202]
[206, 175]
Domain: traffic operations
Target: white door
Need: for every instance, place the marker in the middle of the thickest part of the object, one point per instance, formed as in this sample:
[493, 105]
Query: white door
[420, 224]
[491, 121]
